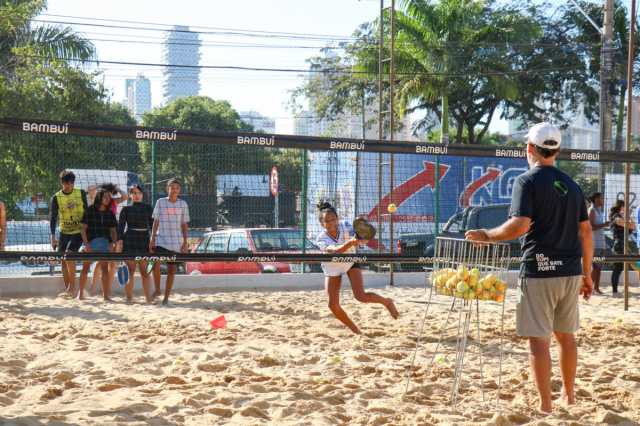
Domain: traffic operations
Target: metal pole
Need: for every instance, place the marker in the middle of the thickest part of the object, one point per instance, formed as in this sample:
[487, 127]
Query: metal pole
[364, 136]
[303, 207]
[627, 166]
[436, 215]
[391, 131]
[153, 173]
[380, 117]
[605, 95]
[276, 212]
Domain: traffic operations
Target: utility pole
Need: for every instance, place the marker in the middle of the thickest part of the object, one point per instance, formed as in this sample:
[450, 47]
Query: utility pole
[606, 70]
[627, 166]
[384, 111]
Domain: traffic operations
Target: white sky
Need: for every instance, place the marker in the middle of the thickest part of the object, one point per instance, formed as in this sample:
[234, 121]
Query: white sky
[265, 92]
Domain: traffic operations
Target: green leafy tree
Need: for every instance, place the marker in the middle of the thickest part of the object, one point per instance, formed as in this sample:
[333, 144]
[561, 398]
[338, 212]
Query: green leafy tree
[583, 33]
[463, 62]
[198, 164]
[45, 41]
[56, 91]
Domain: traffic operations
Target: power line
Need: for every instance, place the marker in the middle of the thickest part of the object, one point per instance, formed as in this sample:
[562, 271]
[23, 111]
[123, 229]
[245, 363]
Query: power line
[301, 36]
[220, 44]
[302, 71]
[174, 30]
[191, 26]
[288, 46]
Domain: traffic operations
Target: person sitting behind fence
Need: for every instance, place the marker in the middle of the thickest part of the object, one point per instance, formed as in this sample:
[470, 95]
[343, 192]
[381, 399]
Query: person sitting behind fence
[339, 237]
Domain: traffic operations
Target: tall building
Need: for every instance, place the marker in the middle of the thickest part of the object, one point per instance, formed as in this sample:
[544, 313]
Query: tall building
[138, 92]
[181, 48]
[259, 122]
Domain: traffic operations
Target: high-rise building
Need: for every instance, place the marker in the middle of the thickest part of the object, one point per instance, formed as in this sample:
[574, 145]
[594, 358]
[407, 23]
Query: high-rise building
[259, 122]
[182, 50]
[138, 92]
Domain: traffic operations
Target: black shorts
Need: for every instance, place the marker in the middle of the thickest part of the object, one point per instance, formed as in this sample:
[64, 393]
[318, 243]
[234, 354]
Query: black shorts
[161, 251]
[355, 266]
[69, 242]
[136, 242]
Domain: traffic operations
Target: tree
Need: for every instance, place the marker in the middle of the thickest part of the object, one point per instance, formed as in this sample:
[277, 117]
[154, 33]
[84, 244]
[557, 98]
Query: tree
[583, 33]
[469, 60]
[56, 91]
[198, 164]
[44, 41]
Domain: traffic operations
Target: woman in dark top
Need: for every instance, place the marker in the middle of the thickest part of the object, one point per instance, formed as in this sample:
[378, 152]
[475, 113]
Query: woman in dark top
[616, 217]
[133, 237]
[98, 235]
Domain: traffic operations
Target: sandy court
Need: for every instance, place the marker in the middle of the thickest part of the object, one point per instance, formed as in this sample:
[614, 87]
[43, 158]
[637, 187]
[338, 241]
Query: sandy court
[284, 360]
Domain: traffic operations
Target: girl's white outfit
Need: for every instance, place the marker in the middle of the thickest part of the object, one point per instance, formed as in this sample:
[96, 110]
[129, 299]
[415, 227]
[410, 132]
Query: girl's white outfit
[326, 242]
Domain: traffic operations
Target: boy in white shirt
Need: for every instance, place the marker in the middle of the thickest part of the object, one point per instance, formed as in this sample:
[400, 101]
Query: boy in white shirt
[169, 234]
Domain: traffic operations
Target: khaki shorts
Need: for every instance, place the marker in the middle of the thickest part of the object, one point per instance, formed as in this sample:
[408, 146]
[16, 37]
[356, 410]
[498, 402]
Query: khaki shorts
[546, 305]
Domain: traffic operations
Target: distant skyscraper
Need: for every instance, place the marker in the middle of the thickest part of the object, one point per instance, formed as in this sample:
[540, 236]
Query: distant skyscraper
[181, 47]
[138, 92]
[259, 122]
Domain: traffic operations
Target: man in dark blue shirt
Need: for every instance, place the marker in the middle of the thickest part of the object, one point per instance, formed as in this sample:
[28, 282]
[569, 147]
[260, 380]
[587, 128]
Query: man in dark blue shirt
[549, 211]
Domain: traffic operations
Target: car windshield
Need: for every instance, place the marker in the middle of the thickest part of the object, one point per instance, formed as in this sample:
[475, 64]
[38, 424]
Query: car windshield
[279, 239]
[27, 233]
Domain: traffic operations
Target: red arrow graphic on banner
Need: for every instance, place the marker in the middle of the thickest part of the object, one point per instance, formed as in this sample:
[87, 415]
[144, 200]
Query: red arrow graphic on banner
[410, 187]
[491, 175]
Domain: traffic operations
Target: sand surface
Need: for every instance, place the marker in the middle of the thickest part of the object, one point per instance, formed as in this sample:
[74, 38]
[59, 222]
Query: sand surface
[284, 360]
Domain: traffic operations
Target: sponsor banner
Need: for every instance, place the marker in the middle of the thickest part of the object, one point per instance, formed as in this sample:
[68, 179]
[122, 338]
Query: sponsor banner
[43, 257]
[303, 142]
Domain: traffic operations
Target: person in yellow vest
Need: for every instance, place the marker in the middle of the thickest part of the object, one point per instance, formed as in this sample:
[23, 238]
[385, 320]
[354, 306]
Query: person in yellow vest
[67, 209]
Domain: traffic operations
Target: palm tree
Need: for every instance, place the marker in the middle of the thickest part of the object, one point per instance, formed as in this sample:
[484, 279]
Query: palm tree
[45, 41]
[448, 45]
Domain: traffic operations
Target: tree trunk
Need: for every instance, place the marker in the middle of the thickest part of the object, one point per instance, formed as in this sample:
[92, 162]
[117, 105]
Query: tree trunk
[444, 126]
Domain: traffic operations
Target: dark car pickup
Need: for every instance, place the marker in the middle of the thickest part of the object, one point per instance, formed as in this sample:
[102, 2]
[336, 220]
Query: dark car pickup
[469, 218]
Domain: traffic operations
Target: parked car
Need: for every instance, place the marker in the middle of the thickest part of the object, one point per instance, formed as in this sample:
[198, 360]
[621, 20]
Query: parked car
[423, 244]
[28, 236]
[251, 241]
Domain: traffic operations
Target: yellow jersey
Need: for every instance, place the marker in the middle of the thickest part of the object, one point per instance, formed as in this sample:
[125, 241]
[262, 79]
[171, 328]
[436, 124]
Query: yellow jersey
[70, 211]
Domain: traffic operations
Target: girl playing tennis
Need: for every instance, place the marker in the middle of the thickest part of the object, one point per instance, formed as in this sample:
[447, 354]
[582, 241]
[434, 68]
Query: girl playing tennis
[339, 237]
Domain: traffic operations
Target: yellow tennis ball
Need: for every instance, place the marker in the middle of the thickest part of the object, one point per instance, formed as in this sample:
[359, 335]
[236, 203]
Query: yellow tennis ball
[391, 208]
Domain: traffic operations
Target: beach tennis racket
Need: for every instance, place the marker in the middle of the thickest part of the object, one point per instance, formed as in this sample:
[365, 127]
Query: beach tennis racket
[364, 230]
[123, 274]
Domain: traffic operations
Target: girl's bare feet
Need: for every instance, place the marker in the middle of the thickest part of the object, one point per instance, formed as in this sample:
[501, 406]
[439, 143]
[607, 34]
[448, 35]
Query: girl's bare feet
[391, 307]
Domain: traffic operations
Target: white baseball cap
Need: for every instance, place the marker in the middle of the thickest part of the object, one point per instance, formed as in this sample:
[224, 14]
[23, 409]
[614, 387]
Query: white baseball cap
[545, 135]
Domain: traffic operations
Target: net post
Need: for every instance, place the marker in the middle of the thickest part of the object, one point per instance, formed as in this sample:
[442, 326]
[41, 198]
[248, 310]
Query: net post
[436, 216]
[153, 173]
[303, 206]
[627, 165]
